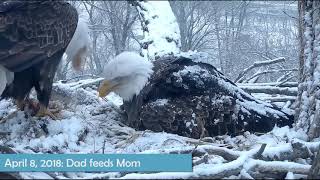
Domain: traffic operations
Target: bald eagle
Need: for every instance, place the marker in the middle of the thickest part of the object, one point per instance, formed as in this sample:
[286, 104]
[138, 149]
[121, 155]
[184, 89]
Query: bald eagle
[34, 35]
[189, 97]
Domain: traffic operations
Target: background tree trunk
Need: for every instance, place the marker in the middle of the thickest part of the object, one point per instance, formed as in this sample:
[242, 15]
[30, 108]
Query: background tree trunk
[308, 116]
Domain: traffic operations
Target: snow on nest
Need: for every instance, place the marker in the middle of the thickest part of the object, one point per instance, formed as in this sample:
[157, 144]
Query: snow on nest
[93, 126]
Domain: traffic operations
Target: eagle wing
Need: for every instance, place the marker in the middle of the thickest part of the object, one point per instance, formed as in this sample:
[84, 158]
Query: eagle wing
[31, 32]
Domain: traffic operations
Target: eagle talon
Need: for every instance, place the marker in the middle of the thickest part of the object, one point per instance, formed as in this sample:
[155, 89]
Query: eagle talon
[21, 104]
[43, 111]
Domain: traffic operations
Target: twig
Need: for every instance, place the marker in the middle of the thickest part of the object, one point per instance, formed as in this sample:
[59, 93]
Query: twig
[7, 150]
[289, 15]
[204, 159]
[103, 146]
[201, 126]
[283, 77]
[259, 153]
[286, 80]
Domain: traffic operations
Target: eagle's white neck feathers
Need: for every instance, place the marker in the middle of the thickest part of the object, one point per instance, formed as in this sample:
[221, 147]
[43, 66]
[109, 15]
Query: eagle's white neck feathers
[131, 70]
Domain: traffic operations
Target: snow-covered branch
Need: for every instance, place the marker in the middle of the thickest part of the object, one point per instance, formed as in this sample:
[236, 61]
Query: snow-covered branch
[286, 84]
[160, 28]
[242, 74]
[290, 91]
[259, 73]
[285, 77]
[277, 98]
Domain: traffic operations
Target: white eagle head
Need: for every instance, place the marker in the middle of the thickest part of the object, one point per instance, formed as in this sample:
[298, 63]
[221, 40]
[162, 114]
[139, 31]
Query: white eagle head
[125, 75]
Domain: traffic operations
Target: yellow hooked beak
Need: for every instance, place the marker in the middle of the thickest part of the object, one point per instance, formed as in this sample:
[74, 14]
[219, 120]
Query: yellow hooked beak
[105, 88]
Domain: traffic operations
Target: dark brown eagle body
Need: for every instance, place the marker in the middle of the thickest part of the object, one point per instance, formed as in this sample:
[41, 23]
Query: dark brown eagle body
[34, 35]
[188, 97]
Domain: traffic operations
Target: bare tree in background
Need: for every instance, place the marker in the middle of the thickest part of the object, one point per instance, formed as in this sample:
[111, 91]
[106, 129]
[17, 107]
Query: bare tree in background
[194, 22]
[94, 21]
[205, 24]
[238, 33]
[114, 21]
[120, 16]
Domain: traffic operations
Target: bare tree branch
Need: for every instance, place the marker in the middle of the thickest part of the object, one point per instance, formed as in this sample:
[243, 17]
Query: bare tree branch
[258, 64]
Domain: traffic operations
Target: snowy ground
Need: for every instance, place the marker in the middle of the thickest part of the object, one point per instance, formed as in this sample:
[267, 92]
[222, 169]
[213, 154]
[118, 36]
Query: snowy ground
[88, 124]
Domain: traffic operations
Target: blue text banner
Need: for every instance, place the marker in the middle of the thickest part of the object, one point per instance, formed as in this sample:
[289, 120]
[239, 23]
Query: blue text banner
[95, 162]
